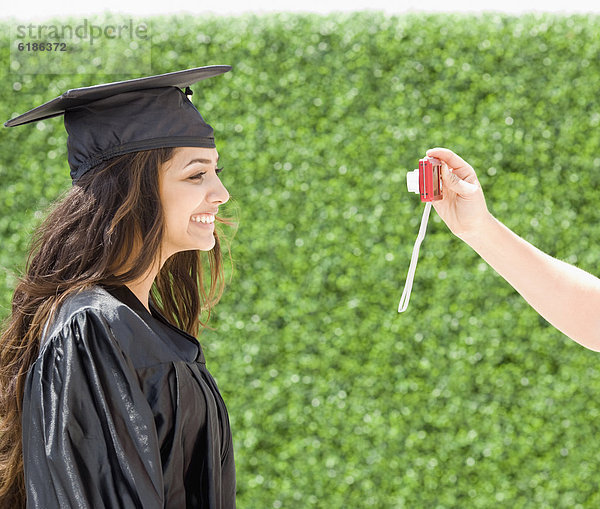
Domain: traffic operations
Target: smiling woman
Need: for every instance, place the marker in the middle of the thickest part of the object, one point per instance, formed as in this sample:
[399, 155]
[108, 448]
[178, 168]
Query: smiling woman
[102, 379]
[191, 192]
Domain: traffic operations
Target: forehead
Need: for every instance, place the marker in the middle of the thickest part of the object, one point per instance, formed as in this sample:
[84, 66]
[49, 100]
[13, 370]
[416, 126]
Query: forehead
[184, 155]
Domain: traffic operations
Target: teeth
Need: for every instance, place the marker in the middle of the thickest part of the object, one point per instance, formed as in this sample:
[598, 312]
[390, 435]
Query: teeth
[204, 218]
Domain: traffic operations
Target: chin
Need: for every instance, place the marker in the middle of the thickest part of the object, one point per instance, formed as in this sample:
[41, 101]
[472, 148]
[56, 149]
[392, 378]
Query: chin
[208, 246]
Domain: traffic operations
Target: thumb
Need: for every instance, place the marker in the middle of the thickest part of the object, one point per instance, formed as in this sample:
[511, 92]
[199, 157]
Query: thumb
[454, 183]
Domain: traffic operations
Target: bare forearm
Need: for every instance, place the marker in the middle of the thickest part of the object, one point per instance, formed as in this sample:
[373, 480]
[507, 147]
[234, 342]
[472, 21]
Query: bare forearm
[567, 297]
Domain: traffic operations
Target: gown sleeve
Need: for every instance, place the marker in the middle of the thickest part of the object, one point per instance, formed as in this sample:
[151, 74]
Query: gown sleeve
[89, 438]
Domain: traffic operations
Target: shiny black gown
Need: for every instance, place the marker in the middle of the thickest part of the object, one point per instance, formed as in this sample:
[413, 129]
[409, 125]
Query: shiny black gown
[120, 412]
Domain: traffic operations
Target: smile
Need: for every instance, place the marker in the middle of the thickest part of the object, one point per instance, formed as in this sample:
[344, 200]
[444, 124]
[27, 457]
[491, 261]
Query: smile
[203, 218]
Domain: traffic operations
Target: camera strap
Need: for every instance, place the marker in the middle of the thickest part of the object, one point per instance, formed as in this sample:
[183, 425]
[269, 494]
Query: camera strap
[413, 261]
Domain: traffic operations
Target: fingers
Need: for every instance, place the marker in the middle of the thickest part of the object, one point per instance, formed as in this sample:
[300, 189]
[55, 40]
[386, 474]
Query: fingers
[450, 158]
[458, 185]
[459, 166]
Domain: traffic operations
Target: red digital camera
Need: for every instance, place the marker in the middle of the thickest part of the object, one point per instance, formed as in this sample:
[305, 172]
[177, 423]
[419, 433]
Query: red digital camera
[427, 180]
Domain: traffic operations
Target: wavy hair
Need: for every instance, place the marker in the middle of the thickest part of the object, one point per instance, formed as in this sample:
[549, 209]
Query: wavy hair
[84, 241]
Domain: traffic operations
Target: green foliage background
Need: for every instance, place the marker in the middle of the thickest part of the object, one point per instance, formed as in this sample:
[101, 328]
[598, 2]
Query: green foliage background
[468, 399]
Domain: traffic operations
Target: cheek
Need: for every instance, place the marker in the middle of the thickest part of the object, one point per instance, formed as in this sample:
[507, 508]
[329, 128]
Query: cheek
[170, 208]
[170, 198]
[180, 200]
[179, 203]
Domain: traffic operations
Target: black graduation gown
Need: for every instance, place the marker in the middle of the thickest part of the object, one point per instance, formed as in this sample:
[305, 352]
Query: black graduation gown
[120, 411]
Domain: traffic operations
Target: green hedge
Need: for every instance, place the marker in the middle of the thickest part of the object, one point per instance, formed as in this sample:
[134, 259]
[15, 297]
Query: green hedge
[468, 399]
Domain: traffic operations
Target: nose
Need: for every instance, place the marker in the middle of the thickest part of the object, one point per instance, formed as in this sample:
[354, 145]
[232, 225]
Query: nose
[218, 193]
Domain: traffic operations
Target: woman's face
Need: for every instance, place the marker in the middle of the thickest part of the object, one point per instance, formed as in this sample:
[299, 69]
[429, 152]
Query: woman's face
[190, 193]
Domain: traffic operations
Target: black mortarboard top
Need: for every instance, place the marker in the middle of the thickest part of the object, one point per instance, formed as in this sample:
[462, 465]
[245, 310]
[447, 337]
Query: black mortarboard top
[111, 119]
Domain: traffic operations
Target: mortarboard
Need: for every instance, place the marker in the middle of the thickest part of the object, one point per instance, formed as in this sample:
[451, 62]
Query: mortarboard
[111, 119]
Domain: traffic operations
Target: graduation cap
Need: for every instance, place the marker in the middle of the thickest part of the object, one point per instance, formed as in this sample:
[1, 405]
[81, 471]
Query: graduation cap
[112, 119]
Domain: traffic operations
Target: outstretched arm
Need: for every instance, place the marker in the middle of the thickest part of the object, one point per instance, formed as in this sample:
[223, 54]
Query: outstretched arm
[567, 297]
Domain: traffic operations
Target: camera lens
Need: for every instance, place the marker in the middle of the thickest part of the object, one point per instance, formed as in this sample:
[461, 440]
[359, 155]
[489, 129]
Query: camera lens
[412, 181]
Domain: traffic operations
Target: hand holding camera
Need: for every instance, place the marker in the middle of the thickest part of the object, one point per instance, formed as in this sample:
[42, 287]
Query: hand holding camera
[463, 206]
[564, 295]
[456, 195]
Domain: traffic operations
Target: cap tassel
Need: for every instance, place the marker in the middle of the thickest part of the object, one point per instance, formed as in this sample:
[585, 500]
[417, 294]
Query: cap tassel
[188, 93]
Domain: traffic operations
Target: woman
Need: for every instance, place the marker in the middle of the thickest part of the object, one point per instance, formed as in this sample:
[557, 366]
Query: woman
[567, 297]
[102, 378]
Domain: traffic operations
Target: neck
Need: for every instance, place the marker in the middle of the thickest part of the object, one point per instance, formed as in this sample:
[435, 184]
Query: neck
[141, 287]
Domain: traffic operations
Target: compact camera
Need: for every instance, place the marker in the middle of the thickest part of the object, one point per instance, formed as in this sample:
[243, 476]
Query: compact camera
[427, 180]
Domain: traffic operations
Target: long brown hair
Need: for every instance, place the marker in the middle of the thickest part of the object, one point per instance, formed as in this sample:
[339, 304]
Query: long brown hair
[84, 240]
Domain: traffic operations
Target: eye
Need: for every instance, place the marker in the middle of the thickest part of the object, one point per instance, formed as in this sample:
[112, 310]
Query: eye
[197, 176]
[200, 175]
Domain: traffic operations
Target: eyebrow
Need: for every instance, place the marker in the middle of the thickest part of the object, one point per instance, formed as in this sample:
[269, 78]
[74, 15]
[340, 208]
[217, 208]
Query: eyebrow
[201, 161]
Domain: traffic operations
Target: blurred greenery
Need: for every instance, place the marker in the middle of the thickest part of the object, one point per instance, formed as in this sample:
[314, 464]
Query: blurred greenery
[468, 399]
